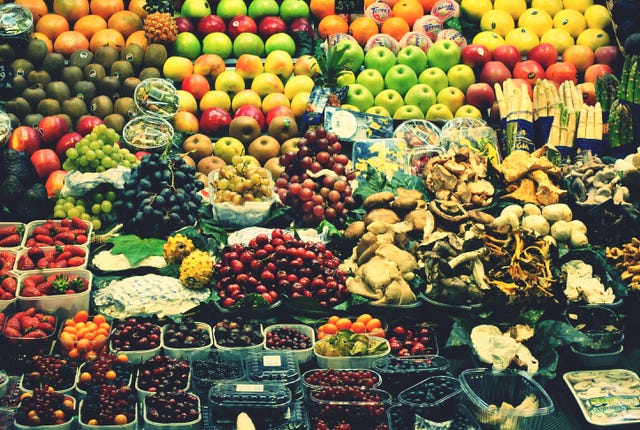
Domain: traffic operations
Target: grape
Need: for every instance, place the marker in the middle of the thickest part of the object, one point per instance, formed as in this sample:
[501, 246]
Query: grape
[241, 182]
[97, 152]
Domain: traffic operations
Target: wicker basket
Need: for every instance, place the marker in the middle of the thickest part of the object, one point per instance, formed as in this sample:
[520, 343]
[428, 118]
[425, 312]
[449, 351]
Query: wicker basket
[614, 25]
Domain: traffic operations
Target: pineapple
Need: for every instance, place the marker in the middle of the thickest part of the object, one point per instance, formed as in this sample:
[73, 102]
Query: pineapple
[159, 25]
[177, 248]
[196, 270]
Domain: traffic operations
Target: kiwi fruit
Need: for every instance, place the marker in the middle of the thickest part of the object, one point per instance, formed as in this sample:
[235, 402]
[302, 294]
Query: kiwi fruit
[128, 86]
[49, 106]
[32, 120]
[35, 51]
[124, 106]
[58, 90]
[53, 64]
[75, 107]
[101, 106]
[7, 54]
[18, 106]
[106, 55]
[33, 95]
[134, 54]
[71, 74]
[94, 72]
[67, 120]
[38, 78]
[86, 90]
[81, 58]
[149, 72]
[155, 55]
[19, 84]
[15, 121]
[22, 67]
[110, 86]
[122, 69]
[114, 121]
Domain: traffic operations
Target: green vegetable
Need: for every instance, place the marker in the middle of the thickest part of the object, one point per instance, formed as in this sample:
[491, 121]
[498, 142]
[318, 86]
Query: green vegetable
[135, 248]
[349, 344]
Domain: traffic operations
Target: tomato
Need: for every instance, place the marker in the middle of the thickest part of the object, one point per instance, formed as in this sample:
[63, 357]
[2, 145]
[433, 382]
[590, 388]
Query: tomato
[560, 72]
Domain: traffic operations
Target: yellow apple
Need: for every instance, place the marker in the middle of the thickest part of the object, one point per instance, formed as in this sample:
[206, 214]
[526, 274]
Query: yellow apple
[215, 98]
[306, 65]
[289, 145]
[273, 165]
[299, 103]
[249, 66]
[451, 97]
[263, 148]
[187, 101]
[267, 83]
[274, 100]
[298, 84]
[209, 65]
[185, 122]
[229, 81]
[177, 68]
[245, 97]
[279, 63]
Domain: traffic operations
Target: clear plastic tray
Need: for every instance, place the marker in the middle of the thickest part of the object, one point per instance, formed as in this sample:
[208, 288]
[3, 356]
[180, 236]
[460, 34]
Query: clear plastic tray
[269, 401]
[136, 356]
[84, 426]
[181, 384]
[19, 225]
[373, 379]
[83, 393]
[157, 97]
[274, 366]
[237, 352]
[147, 133]
[65, 390]
[62, 305]
[47, 250]
[64, 426]
[608, 339]
[191, 425]
[210, 360]
[28, 231]
[186, 352]
[7, 306]
[302, 355]
[400, 373]
[419, 132]
[355, 362]
[365, 413]
[595, 360]
[433, 398]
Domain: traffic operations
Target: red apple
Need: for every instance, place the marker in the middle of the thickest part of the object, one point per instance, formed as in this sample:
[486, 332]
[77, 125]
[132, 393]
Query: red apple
[507, 54]
[85, 124]
[545, 54]
[54, 182]
[214, 120]
[24, 139]
[211, 24]
[520, 81]
[595, 70]
[184, 25]
[241, 24]
[140, 154]
[196, 84]
[562, 71]
[529, 70]
[271, 25]
[301, 24]
[67, 141]
[588, 90]
[609, 55]
[494, 72]
[252, 111]
[480, 95]
[51, 128]
[45, 161]
[475, 55]
[279, 111]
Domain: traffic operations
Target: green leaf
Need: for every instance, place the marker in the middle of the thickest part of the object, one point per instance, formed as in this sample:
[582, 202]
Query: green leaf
[408, 181]
[135, 248]
[170, 270]
[459, 335]
[554, 334]
[250, 301]
[531, 316]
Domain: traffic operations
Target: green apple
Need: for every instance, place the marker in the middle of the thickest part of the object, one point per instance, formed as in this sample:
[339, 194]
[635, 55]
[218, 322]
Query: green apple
[461, 76]
[400, 78]
[389, 99]
[413, 57]
[359, 96]
[380, 58]
[352, 108]
[228, 147]
[353, 53]
[195, 9]
[451, 97]
[187, 45]
[439, 111]
[468, 111]
[291, 9]
[228, 9]
[443, 53]
[248, 43]
[422, 96]
[217, 43]
[408, 112]
[261, 8]
[378, 110]
[280, 41]
[346, 78]
[372, 79]
[434, 77]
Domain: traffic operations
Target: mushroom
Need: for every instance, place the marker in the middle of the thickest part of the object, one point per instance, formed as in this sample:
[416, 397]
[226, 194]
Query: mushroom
[448, 211]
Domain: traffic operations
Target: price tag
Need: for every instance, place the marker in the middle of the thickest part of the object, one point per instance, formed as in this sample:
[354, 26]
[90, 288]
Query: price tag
[249, 388]
[349, 6]
[271, 361]
[6, 76]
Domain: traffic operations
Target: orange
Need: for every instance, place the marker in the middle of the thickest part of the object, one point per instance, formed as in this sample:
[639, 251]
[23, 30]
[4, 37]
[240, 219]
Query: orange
[52, 25]
[90, 356]
[358, 327]
[333, 319]
[74, 353]
[374, 323]
[105, 326]
[25, 395]
[101, 331]
[364, 318]
[395, 27]
[343, 323]
[368, 3]
[110, 375]
[80, 325]
[427, 5]
[332, 24]
[83, 345]
[119, 419]
[66, 340]
[81, 316]
[92, 326]
[99, 319]
[45, 39]
[93, 422]
[377, 332]
[322, 8]
[99, 341]
[106, 8]
[38, 8]
[69, 322]
[85, 377]
[106, 37]
[137, 38]
[122, 358]
[58, 414]
[71, 329]
[88, 25]
[72, 10]
[69, 42]
[362, 29]
[330, 328]
[88, 335]
[409, 10]
[126, 22]
[68, 402]
[137, 7]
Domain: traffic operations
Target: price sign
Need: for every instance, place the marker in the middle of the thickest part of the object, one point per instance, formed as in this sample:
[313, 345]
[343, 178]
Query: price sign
[6, 76]
[349, 6]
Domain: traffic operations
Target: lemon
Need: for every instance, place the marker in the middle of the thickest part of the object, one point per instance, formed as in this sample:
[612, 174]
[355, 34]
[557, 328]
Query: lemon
[514, 7]
[571, 20]
[594, 38]
[579, 5]
[498, 21]
[536, 20]
[558, 37]
[475, 9]
[550, 6]
[522, 39]
[490, 39]
[597, 16]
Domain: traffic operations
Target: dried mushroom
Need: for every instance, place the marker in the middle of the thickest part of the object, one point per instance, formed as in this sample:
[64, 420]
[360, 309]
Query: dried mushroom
[381, 214]
[378, 200]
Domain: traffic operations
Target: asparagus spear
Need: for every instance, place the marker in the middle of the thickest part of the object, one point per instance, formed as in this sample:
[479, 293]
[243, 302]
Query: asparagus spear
[590, 130]
[582, 123]
[624, 77]
[502, 104]
[631, 80]
[626, 125]
[614, 125]
[598, 121]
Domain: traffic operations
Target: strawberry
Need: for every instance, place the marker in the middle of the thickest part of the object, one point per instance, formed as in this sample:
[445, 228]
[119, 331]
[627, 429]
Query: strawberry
[81, 238]
[30, 311]
[59, 264]
[30, 292]
[46, 287]
[66, 222]
[28, 323]
[8, 230]
[35, 253]
[13, 322]
[47, 318]
[64, 255]
[3, 317]
[36, 279]
[40, 230]
[9, 284]
[65, 237]
[78, 223]
[26, 263]
[75, 261]
[36, 334]
[12, 332]
[31, 242]
[43, 263]
[44, 240]
[5, 295]
[45, 327]
[75, 250]
[11, 240]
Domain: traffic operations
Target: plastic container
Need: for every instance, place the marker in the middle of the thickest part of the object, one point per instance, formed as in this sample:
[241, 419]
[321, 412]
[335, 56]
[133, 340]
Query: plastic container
[211, 361]
[84, 426]
[82, 393]
[68, 425]
[400, 373]
[136, 356]
[601, 324]
[7, 306]
[275, 366]
[484, 388]
[62, 305]
[29, 345]
[157, 97]
[57, 251]
[365, 413]
[16, 24]
[147, 133]
[165, 365]
[419, 132]
[186, 352]
[236, 352]
[302, 355]
[351, 362]
[144, 393]
[63, 390]
[594, 360]
[28, 231]
[191, 425]
[402, 417]
[264, 402]
[20, 226]
[371, 380]
[433, 398]
[416, 159]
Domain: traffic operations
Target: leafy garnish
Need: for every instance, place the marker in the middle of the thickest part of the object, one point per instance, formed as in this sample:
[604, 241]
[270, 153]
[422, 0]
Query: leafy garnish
[374, 181]
[250, 301]
[135, 248]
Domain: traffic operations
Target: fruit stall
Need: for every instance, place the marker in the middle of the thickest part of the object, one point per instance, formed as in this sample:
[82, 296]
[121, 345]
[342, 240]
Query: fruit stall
[319, 214]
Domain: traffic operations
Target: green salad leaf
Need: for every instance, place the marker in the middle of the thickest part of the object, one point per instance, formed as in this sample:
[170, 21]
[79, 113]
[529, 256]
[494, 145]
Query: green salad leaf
[136, 248]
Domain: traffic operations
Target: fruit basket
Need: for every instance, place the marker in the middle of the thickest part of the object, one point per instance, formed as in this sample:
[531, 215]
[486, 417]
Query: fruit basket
[353, 405]
[275, 366]
[36, 402]
[49, 232]
[147, 133]
[359, 361]
[400, 373]
[160, 412]
[107, 369]
[314, 379]
[53, 287]
[181, 348]
[148, 333]
[296, 337]
[51, 371]
[233, 345]
[162, 374]
[48, 258]
[26, 339]
[8, 287]
[11, 233]
[208, 367]
[84, 422]
[157, 97]
[433, 398]
[268, 402]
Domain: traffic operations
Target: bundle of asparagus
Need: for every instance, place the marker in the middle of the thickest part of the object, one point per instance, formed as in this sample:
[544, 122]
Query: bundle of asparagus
[589, 134]
[565, 119]
[606, 90]
[620, 124]
[516, 111]
[545, 103]
[629, 88]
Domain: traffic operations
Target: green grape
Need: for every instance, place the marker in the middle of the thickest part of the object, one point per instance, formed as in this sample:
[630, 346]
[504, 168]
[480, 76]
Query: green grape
[83, 162]
[107, 162]
[68, 165]
[96, 223]
[91, 155]
[99, 153]
[106, 206]
[67, 205]
[72, 153]
[82, 147]
[131, 158]
[82, 203]
[110, 195]
[96, 208]
[116, 157]
[59, 214]
[95, 144]
[94, 163]
[73, 212]
[70, 199]
[126, 164]
[107, 149]
[100, 169]
[58, 206]
[97, 197]
[85, 217]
